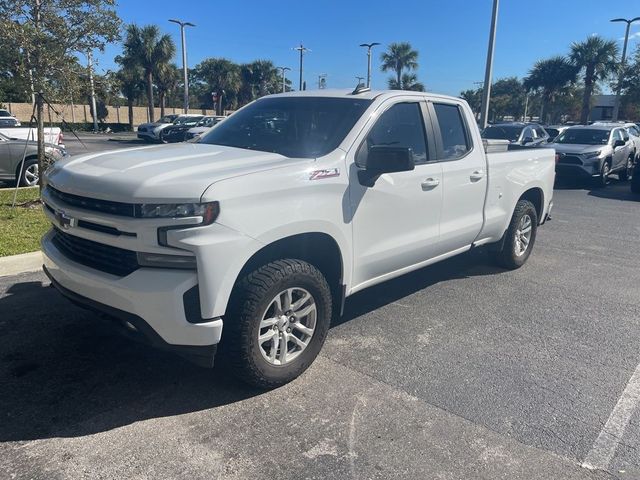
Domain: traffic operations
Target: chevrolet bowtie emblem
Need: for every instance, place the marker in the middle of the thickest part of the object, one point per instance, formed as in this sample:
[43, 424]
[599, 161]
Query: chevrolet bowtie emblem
[64, 220]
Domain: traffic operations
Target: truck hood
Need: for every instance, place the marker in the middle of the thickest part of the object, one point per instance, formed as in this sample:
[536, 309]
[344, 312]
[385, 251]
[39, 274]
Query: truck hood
[576, 148]
[158, 174]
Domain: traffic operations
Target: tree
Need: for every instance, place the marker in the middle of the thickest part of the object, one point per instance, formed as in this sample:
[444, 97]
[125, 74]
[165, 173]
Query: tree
[258, 78]
[131, 85]
[551, 77]
[631, 84]
[597, 59]
[473, 98]
[398, 58]
[409, 81]
[146, 48]
[507, 98]
[167, 79]
[48, 35]
[221, 76]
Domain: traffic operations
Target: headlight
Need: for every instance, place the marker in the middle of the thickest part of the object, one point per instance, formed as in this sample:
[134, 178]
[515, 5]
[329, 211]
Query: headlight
[592, 154]
[208, 211]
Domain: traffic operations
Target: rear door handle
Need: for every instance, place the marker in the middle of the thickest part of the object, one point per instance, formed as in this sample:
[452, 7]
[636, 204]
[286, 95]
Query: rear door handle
[430, 183]
[477, 175]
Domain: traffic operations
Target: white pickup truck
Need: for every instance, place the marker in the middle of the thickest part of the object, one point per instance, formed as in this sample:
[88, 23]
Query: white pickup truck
[252, 237]
[52, 135]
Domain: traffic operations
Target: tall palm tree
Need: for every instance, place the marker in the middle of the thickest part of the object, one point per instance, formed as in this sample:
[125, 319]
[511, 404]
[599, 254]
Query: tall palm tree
[259, 78]
[221, 76]
[131, 86]
[409, 81]
[166, 80]
[551, 77]
[597, 58]
[398, 58]
[147, 48]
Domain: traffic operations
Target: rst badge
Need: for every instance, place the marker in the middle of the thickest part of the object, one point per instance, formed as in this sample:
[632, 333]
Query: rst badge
[65, 221]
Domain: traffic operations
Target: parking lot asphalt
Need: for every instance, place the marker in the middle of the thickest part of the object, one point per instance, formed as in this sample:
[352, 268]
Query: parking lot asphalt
[457, 371]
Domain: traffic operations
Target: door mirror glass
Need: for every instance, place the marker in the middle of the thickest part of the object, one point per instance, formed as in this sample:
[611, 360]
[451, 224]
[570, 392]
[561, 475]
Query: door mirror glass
[619, 143]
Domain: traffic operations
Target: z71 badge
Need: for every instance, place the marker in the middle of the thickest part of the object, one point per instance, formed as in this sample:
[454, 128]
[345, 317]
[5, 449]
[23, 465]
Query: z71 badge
[320, 174]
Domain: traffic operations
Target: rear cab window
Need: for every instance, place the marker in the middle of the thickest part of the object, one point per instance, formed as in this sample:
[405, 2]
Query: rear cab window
[451, 131]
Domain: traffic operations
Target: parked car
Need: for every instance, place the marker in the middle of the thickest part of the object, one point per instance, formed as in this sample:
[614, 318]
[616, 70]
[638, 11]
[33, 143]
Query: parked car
[594, 151]
[554, 130]
[203, 126]
[634, 135]
[520, 133]
[7, 119]
[11, 154]
[254, 235]
[151, 131]
[176, 132]
[52, 135]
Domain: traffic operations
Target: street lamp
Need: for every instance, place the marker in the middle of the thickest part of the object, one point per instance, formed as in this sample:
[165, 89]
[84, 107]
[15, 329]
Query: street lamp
[184, 61]
[369, 47]
[616, 107]
[284, 79]
[486, 91]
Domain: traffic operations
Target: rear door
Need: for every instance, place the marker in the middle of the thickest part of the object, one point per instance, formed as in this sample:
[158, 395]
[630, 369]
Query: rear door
[6, 164]
[464, 173]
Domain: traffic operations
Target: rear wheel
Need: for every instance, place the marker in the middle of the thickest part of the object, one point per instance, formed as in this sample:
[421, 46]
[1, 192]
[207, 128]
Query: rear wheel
[519, 238]
[277, 322]
[30, 173]
[626, 173]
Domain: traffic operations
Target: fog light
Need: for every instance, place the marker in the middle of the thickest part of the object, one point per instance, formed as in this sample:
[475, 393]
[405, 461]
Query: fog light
[158, 260]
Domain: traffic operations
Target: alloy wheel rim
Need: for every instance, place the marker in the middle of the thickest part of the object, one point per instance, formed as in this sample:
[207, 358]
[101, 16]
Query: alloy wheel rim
[287, 326]
[523, 235]
[31, 175]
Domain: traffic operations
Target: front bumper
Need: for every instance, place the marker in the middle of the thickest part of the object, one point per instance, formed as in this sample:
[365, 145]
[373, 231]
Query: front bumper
[154, 298]
[577, 171]
[147, 135]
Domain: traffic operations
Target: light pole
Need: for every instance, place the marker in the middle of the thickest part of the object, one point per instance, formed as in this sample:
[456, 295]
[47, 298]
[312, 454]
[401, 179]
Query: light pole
[284, 79]
[486, 91]
[184, 61]
[359, 78]
[322, 81]
[302, 49]
[93, 91]
[369, 47]
[616, 105]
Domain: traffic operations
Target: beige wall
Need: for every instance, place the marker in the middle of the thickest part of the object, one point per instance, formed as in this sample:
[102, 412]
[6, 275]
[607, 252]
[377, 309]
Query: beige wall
[82, 113]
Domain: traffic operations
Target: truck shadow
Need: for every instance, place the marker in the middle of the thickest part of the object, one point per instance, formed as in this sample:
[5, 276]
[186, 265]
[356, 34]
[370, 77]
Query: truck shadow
[65, 373]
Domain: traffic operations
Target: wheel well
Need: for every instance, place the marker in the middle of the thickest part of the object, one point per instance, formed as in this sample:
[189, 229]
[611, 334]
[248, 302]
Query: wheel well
[318, 249]
[535, 196]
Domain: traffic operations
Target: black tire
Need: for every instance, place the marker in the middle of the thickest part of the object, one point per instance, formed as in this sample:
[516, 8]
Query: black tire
[602, 180]
[506, 256]
[626, 172]
[635, 179]
[252, 296]
[25, 179]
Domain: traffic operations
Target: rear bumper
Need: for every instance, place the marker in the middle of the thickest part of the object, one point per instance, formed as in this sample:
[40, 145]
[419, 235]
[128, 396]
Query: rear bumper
[152, 300]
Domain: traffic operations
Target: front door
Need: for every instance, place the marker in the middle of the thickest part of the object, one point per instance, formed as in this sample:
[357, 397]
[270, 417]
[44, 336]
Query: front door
[396, 222]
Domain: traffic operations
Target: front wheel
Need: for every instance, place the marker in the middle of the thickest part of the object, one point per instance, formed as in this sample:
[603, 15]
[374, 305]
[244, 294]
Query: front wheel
[30, 174]
[602, 179]
[519, 238]
[277, 322]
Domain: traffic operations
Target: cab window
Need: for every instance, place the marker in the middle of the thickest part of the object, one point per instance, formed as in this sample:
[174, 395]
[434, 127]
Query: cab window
[453, 131]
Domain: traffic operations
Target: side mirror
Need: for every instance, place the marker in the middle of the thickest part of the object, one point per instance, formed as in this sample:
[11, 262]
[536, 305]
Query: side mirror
[619, 143]
[527, 140]
[385, 159]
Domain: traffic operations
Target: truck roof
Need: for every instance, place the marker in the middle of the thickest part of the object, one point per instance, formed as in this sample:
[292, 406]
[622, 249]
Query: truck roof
[369, 94]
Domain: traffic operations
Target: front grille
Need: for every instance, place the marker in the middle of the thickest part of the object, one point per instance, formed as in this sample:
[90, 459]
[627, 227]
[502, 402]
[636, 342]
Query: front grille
[570, 159]
[104, 206]
[108, 259]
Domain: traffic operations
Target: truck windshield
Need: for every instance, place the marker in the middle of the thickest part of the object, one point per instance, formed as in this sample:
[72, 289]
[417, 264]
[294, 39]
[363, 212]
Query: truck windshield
[502, 132]
[300, 127]
[583, 136]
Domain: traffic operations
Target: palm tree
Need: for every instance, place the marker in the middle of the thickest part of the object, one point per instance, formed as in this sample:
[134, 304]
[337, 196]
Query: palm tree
[167, 78]
[221, 76]
[409, 81]
[398, 58]
[131, 86]
[259, 78]
[147, 48]
[597, 58]
[551, 77]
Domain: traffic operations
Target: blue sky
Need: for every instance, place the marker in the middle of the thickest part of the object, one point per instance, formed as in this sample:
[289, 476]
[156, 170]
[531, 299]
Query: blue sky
[450, 35]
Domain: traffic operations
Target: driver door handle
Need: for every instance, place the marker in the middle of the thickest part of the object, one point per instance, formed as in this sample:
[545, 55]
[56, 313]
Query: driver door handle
[476, 175]
[430, 183]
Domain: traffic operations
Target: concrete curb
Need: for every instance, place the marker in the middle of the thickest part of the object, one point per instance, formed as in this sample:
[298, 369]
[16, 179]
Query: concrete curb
[15, 264]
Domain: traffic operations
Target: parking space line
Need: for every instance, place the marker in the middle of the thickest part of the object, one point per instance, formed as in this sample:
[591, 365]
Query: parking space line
[611, 434]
